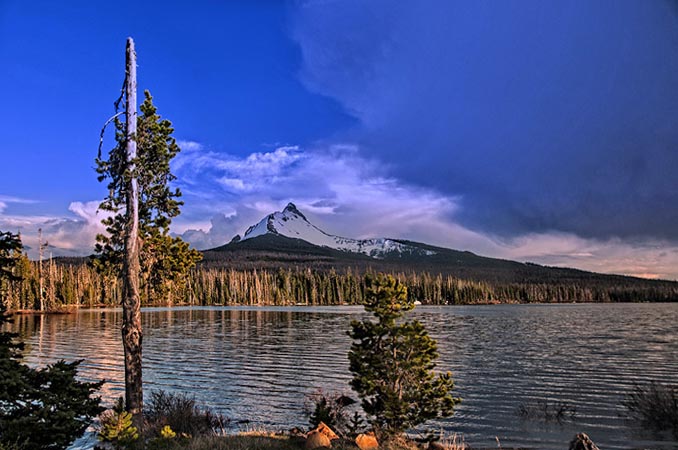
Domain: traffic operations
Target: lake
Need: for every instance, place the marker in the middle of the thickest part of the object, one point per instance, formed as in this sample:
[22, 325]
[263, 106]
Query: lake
[261, 364]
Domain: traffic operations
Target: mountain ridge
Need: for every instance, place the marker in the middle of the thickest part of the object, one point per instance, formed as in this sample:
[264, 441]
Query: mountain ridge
[291, 223]
[265, 247]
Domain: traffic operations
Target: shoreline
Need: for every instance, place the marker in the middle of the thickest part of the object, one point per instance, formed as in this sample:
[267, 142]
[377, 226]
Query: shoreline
[73, 309]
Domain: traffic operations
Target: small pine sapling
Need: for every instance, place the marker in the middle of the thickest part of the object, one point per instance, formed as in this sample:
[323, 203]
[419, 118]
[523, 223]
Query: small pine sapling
[117, 428]
[392, 362]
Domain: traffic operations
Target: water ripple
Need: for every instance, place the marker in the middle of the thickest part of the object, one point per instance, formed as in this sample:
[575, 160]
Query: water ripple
[262, 364]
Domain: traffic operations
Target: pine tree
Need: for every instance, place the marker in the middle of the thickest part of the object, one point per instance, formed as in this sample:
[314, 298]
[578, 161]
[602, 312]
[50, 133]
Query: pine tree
[165, 260]
[39, 408]
[392, 363]
[10, 253]
[142, 206]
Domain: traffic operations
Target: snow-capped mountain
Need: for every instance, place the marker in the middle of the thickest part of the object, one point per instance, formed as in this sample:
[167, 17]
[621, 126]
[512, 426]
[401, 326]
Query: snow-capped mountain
[291, 223]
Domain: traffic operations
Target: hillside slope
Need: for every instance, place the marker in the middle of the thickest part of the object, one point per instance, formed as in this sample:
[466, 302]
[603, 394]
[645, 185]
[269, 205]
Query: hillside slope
[272, 251]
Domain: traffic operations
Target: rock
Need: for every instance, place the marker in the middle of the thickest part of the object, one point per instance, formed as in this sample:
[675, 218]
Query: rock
[327, 431]
[322, 436]
[582, 442]
[366, 441]
[316, 439]
[296, 431]
[436, 446]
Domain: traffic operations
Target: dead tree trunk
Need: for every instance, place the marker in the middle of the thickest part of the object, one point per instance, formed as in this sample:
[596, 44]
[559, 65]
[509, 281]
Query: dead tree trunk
[41, 247]
[131, 302]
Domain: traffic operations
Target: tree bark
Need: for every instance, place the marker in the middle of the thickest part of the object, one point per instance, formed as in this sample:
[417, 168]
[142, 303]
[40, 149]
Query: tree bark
[131, 302]
[40, 274]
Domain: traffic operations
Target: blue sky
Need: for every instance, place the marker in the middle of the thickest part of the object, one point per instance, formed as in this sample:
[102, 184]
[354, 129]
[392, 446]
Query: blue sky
[530, 130]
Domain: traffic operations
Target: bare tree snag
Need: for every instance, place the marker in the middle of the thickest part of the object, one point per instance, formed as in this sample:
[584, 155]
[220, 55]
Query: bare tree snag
[131, 302]
[41, 248]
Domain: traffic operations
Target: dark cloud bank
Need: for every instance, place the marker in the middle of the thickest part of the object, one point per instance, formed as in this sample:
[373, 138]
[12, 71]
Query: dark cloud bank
[541, 116]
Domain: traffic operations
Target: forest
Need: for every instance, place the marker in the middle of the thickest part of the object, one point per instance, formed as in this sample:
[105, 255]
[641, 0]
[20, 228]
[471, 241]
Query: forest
[73, 283]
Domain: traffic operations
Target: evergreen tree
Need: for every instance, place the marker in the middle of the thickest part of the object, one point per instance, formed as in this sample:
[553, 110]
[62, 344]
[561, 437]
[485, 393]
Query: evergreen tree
[39, 408]
[165, 261]
[392, 363]
[10, 253]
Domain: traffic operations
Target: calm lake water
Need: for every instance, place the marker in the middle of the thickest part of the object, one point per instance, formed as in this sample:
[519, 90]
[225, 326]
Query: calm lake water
[261, 364]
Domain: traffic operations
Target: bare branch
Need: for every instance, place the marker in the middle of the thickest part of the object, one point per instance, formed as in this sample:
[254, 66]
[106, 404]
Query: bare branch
[122, 94]
[103, 130]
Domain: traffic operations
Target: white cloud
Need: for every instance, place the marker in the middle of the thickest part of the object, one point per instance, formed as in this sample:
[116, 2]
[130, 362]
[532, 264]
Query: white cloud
[5, 200]
[67, 235]
[646, 258]
[344, 194]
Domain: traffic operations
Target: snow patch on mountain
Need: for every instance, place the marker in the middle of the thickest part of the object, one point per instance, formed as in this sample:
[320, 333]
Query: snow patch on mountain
[290, 222]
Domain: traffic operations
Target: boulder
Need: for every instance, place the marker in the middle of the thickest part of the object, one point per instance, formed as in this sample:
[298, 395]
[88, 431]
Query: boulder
[327, 431]
[582, 442]
[316, 439]
[366, 441]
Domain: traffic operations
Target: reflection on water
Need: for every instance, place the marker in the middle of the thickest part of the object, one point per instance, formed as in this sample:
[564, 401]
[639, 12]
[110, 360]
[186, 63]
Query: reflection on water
[260, 364]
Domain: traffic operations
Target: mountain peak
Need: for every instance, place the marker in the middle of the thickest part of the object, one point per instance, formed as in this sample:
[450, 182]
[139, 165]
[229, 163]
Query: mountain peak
[292, 209]
[290, 222]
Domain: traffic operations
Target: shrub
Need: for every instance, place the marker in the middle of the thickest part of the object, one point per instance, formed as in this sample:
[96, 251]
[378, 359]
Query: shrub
[181, 413]
[655, 406]
[392, 363]
[331, 409]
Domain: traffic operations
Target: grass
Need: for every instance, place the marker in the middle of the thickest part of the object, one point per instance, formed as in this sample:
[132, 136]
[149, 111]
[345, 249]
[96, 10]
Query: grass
[239, 442]
[268, 441]
[455, 442]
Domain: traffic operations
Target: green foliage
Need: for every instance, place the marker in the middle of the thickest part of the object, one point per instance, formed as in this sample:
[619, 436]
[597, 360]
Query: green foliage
[164, 260]
[392, 363]
[116, 427]
[324, 412]
[41, 408]
[356, 425]
[331, 409]
[170, 259]
[10, 352]
[10, 252]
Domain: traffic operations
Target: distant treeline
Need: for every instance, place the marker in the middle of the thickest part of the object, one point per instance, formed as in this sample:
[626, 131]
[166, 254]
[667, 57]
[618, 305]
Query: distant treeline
[65, 284]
